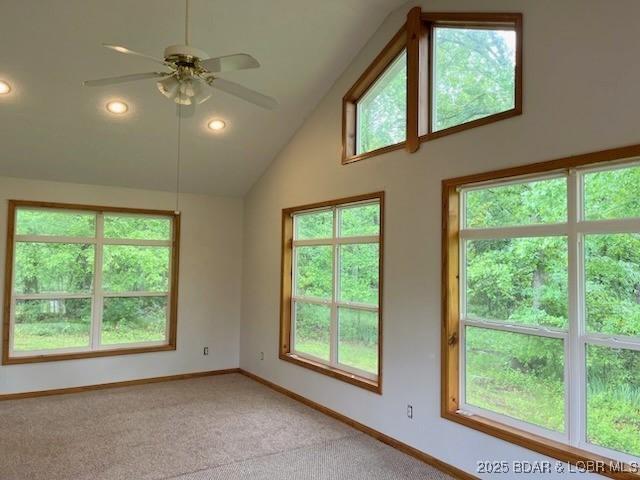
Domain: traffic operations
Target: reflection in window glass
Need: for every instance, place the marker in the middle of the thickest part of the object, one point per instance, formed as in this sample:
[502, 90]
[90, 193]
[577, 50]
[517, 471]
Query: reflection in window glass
[381, 113]
[474, 74]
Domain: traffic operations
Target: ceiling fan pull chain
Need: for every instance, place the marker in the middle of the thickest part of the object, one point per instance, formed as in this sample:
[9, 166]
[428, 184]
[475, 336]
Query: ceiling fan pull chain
[186, 24]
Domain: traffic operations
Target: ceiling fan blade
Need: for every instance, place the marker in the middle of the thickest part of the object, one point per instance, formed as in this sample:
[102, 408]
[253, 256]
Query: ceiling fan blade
[239, 61]
[245, 93]
[122, 79]
[127, 51]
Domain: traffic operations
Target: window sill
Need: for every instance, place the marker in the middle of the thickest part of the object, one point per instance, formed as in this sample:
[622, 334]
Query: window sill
[6, 360]
[358, 381]
[373, 153]
[582, 459]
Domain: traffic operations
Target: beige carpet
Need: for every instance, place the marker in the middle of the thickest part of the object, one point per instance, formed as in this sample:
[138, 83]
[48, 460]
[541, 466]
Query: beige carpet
[225, 427]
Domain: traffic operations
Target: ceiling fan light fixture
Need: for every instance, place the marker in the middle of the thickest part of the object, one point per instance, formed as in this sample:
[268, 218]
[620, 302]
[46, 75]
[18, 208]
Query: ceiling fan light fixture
[4, 87]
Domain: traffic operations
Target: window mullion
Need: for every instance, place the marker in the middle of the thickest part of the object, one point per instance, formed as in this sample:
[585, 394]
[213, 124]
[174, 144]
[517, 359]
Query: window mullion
[333, 348]
[98, 298]
[574, 350]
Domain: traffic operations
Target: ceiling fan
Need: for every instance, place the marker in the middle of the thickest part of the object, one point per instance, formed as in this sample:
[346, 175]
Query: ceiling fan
[191, 73]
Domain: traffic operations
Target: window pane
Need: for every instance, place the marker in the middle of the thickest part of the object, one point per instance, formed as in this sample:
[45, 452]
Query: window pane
[518, 375]
[134, 320]
[613, 398]
[360, 221]
[519, 280]
[51, 324]
[312, 329]
[314, 271]
[314, 225]
[612, 194]
[141, 228]
[358, 339]
[531, 203]
[56, 223]
[359, 273]
[53, 268]
[612, 276]
[474, 74]
[381, 115]
[128, 268]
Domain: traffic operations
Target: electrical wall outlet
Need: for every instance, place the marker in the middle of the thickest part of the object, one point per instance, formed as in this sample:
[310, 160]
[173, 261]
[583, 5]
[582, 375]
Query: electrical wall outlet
[206, 351]
[410, 411]
[261, 355]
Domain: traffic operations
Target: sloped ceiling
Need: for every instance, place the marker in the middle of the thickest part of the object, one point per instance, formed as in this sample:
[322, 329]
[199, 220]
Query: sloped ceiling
[53, 128]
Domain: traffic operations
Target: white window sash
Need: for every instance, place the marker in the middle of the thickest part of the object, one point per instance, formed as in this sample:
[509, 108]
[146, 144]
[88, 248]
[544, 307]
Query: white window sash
[334, 302]
[97, 295]
[576, 338]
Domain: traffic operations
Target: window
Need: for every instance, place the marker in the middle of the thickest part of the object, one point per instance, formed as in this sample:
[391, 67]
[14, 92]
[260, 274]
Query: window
[332, 287]
[542, 310]
[381, 113]
[474, 73]
[84, 281]
[375, 108]
[442, 73]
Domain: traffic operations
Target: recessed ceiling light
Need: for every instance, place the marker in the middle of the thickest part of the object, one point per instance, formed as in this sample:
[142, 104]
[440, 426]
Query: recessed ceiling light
[216, 124]
[4, 87]
[117, 107]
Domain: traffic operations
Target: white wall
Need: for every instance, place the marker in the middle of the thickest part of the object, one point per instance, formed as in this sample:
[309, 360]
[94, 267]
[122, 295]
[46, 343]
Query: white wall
[209, 291]
[581, 77]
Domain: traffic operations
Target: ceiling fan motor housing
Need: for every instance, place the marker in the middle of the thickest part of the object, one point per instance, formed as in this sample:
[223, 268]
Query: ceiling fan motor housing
[183, 54]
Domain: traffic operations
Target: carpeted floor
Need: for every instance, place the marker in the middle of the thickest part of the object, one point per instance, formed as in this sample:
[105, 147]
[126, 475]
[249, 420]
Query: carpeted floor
[226, 427]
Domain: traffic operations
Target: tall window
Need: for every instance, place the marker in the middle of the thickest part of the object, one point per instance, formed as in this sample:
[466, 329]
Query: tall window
[548, 305]
[332, 291]
[85, 282]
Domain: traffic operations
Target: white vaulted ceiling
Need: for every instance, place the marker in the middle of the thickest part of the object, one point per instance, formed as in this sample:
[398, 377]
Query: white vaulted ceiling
[53, 128]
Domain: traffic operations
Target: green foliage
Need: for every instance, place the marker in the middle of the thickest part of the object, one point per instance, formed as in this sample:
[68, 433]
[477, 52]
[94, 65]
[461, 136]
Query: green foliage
[525, 281]
[382, 111]
[474, 75]
[69, 268]
[133, 227]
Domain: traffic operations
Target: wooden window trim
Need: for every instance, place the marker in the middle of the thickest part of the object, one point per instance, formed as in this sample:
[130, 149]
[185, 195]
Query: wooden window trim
[470, 20]
[416, 36]
[450, 368]
[13, 205]
[286, 293]
[349, 122]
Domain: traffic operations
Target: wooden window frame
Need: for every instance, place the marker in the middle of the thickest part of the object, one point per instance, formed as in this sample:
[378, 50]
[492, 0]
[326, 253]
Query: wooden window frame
[450, 333]
[416, 37]
[349, 102]
[172, 296]
[286, 294]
